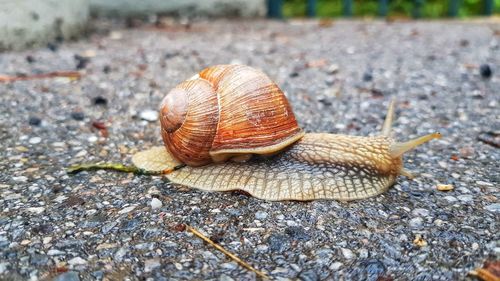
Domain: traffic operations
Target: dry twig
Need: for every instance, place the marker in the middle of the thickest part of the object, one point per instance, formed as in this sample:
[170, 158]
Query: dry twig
[74, 75]
[226, 252]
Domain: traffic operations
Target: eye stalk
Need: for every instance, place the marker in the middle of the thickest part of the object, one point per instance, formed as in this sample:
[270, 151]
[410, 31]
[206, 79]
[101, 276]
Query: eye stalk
[397, 149]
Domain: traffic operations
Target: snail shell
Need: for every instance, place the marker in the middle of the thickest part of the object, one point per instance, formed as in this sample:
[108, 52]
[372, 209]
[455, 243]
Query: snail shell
[226, 111]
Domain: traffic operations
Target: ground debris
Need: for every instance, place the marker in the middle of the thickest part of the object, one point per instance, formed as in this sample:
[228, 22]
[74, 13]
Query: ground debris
[491, 138]
[489, 272]
[72, 75]
[444, 187]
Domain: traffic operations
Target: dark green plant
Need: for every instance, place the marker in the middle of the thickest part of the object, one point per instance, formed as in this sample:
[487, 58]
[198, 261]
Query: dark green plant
[405, 8]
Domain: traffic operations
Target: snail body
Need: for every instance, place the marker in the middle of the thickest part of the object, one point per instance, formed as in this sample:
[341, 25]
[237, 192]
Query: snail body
[290, 165]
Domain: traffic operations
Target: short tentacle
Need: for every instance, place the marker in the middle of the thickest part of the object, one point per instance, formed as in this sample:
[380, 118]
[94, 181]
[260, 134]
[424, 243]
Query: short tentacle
[387, 127]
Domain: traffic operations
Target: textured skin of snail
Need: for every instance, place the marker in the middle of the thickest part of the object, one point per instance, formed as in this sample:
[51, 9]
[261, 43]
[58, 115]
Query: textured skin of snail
[319, 166]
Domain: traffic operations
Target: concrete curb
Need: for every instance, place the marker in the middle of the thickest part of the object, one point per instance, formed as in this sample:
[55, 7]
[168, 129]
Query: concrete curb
[29, 23]
[210, 8]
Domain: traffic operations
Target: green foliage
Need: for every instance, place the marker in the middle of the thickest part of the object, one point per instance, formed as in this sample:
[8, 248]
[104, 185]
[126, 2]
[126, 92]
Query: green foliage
[404, 8]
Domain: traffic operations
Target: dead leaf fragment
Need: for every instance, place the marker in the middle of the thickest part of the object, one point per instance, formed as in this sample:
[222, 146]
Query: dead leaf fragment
[419, 241]
[317, 63]
[444, 187]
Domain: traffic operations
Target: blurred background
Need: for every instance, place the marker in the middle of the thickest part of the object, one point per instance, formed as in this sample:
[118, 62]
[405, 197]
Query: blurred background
[30, 23]
[394, 8]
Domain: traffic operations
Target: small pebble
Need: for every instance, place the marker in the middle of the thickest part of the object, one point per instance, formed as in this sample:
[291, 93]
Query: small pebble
[36, 210]
[149, 115]
[444, 187]
[154, 192]
[30, 59]
[46, 240]
[126, 210]
[106, 69]
[333, 68]
[151, 264]
[77, 115]
[420, 212]
[77, 261]
[54, 252]
[100, 101]
[260, 215]
[335, 266]
[34, 121]
[495, 207]
[35, 140]
[450, 199]
[68, 276]
[3, 267]
[348, 254]
[81, 61]
[465, 198]
[416, 222]
[485, 71]
[156, 204]
[52, 46]
[367, 76]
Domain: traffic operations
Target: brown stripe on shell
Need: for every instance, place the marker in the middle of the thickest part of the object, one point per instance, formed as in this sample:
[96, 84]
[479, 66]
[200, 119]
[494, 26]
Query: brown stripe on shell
[254, 111]
[191, 142]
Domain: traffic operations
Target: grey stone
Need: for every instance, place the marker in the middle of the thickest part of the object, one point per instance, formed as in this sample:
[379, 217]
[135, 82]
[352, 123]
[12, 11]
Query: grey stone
[495, 207]
[260, 215]
[68, 276]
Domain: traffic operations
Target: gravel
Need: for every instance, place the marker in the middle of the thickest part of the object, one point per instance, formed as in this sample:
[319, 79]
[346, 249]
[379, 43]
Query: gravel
[338, 78]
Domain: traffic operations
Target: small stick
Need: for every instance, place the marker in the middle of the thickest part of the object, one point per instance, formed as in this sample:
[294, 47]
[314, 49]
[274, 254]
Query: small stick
[118, 167]
[226, 252]
[69, 74]
[484, 274]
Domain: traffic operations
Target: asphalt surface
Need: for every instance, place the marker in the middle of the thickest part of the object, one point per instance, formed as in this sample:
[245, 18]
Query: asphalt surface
[339, 77]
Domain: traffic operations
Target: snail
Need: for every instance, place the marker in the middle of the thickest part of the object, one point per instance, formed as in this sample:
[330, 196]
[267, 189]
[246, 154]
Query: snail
[230, 127]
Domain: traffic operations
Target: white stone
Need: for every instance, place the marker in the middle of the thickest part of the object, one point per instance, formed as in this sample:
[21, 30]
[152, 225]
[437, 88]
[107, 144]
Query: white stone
[46, 240]
[420, 212]
[495, 207]
[35, 140]
[335, 266]
[156, 204]
[151, 264]
[77, 261]
[348, 254]
[20, 179]
[36, 210]
[92, 138]
[126, 210]
[260, 215]
[149, 115]
[81, 153]
[3, 267]
[54, 252]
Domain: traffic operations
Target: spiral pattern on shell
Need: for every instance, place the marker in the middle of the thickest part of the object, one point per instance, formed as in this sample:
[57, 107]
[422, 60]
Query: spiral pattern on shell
[226, 111]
